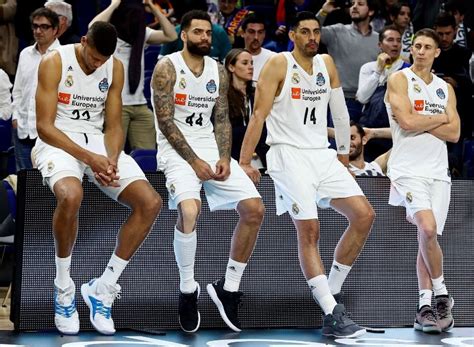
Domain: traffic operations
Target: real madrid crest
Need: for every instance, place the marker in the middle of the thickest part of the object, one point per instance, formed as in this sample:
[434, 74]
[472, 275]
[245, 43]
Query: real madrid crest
[417, 88]
[211, 86]
[295, 79]
[182, 83]
[50, 166]
[295, 208]
[320, 80]
[69, 81]
[409, 197]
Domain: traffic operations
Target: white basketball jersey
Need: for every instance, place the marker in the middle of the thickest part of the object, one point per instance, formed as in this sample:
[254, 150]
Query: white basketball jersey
[194, 100]
[81, 97]
[299, 114]
[420, 154]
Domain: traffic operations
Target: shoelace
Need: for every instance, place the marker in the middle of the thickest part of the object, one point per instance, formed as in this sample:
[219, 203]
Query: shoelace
[428, 315]
[442, 309]
[64, 297]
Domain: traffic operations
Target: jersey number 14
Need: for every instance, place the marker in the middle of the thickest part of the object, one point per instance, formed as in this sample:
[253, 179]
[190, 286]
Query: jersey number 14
[311, 115]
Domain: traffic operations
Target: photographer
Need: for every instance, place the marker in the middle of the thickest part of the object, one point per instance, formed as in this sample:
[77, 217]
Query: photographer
[351, 46]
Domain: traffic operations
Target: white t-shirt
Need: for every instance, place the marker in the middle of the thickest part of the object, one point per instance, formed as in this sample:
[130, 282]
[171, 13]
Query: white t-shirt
[122, 53]
[370, 169]
[420, 154]
[299, 114]
[81, 97]
[194, 100]
[259, 60]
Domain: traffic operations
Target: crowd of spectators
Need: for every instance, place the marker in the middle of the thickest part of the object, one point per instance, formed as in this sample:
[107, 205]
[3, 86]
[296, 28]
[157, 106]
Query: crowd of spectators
[368, 40]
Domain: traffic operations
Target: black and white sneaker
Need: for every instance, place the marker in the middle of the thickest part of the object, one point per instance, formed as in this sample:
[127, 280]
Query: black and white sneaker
[227, 303]
[189, 317]
[338, 324]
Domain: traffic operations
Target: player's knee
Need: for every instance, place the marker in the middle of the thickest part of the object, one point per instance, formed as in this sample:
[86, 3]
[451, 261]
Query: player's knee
[153, 206]
[252, 211]
[189, 214]
[427, 230]
[69, 198]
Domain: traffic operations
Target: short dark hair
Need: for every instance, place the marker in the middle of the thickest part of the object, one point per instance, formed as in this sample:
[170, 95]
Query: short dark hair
[373, 5]
[301, 16]
[103, 37]
[428, 32]
[193, 14]
[385, 29]
[395, 9]
[445, 19]
[48, 14]
[359, 127]
[252, 18]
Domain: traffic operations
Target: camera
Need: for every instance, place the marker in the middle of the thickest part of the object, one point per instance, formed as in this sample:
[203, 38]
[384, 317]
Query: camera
[342, 3]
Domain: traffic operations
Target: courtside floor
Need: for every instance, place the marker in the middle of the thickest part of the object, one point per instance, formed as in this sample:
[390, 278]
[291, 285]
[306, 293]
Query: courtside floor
[248, 338]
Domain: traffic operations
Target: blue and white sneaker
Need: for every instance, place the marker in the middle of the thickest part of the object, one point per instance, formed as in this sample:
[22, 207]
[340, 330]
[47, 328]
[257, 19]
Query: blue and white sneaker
[66, 318]
[99, 298]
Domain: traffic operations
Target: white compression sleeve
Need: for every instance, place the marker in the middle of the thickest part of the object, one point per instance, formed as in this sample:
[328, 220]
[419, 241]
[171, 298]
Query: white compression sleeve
[340, 117]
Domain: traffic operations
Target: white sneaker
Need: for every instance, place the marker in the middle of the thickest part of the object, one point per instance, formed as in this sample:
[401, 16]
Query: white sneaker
[66, 318]
[99, 298]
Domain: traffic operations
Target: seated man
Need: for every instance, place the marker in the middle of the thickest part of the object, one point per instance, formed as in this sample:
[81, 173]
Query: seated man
[373, 84]
[79, 106]
[359, 138]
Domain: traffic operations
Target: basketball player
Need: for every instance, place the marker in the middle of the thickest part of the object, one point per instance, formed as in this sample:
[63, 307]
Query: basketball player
[423, 117]
[294, 91]
[77, 83]
[189, 88]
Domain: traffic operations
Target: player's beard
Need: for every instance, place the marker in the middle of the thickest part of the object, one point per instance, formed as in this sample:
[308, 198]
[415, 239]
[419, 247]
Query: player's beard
[195, 49]
[356, 153]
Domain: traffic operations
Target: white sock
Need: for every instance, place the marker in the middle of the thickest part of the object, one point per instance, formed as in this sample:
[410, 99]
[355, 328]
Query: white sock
[185, 253]
[425, 298]
[337, 276]
[439, 288]
[233, 275]
[113, 270]
[322, 295]
[63, 269]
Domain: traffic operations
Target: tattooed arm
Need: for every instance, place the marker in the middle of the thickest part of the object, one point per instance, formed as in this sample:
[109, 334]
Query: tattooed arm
[163, 80]
[222, 127]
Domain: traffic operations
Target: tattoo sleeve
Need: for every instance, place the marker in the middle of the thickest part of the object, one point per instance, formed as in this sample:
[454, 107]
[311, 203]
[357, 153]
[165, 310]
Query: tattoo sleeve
[164, 78]
[222, 126]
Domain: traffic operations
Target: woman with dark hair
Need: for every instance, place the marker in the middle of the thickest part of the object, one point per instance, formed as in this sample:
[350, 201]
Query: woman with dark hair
[239, 65]
[129, 18]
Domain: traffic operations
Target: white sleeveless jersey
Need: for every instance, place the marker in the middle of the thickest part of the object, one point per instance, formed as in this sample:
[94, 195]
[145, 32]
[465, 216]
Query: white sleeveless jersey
[194, 100]
[81, 97]
[299, 114]
[420, 154]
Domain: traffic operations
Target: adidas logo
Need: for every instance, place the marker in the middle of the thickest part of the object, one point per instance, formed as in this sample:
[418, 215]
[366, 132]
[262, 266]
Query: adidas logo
[295, 66]
[111, 268]
[335, 267]
[182, 72]
[232, 268]
[69, 68]
[422, 295]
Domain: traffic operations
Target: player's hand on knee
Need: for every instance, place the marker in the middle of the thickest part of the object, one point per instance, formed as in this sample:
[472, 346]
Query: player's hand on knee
[222, 170]
[202, 169]
[252, 172]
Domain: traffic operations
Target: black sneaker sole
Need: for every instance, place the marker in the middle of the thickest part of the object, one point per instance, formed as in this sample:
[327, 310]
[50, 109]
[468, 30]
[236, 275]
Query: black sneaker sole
[215, 298]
